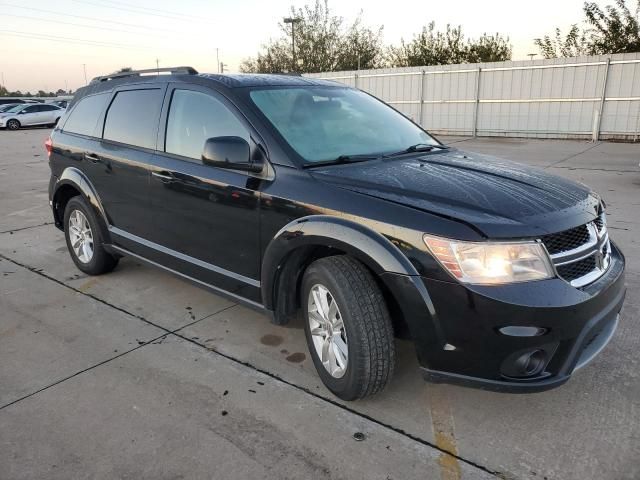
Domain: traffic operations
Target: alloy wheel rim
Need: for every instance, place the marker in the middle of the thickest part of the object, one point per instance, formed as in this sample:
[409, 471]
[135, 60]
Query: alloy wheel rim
[12, 125]
[81, 236]
[327, 329]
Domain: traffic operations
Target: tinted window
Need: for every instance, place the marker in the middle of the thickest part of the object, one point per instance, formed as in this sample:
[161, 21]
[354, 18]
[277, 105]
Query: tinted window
[85, 114]
[31, 109]
[48, 108]
[133, 116]
[193, 118]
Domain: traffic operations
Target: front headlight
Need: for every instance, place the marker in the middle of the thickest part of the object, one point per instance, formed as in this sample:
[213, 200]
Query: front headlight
[491, 263]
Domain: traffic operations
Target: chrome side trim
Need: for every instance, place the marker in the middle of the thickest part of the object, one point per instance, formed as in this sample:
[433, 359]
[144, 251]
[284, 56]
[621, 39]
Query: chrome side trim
[183, 257]
[195, 280]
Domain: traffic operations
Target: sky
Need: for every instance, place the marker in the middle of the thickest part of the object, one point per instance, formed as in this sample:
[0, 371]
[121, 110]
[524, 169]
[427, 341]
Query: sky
[47, 45]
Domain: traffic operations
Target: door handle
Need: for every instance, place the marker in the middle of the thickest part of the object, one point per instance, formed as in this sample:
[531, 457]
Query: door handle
[164, 176]
[92, 158]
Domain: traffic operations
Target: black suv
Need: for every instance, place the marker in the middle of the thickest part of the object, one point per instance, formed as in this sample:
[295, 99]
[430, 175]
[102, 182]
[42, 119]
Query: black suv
[288, 193]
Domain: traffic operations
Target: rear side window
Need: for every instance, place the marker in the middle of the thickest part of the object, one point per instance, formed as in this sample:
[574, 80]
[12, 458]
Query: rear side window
[85, 114]
[48, 108]
[133, 117]
[193, 118]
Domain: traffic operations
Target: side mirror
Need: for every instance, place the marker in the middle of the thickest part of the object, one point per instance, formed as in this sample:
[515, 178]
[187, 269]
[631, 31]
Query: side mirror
[232, 153]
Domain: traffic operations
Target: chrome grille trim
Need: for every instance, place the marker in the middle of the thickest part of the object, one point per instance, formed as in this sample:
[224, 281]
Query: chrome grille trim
[598, 246]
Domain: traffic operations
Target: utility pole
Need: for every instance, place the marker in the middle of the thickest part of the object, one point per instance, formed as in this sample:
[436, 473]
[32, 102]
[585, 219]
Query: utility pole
[84, 67]
[222, 65]
[293, 21]
[3, 80]
[158, 65]
[218, 59]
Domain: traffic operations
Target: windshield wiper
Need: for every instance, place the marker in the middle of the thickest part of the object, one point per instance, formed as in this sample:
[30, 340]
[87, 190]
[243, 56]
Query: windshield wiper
[343, 159]
[418, 147]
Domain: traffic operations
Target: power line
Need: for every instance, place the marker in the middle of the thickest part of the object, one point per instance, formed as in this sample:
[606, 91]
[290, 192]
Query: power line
[97, 27]
[147, 9]
[101, 20]
[129, 9]
[79, 41]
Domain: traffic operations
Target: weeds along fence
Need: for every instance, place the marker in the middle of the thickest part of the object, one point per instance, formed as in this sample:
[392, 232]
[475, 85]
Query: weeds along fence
[584, 97]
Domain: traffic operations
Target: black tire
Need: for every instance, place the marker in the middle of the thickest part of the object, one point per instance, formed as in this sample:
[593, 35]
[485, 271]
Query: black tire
[101, 261]
[367, 324]
[13, 124]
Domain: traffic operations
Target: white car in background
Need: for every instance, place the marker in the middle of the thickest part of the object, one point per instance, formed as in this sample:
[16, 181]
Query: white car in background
[30, 114]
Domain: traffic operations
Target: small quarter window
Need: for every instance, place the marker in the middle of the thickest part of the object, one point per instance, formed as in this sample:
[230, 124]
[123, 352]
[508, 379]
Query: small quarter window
[85, 113]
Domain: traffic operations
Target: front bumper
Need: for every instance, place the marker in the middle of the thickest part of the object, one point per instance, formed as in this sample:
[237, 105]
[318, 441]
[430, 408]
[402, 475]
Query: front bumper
[460, 337]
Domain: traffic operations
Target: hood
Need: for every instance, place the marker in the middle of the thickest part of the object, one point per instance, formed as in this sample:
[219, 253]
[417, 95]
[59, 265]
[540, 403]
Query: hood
[500, 198]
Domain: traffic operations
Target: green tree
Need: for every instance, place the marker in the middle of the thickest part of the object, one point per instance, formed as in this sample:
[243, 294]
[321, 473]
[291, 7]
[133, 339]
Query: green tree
[573, 44]
[614, 29]
[323, 42]
[489, 48]
[433, 47]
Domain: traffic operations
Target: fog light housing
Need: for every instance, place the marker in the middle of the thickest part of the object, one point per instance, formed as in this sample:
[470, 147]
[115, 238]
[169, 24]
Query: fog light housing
[530, 363]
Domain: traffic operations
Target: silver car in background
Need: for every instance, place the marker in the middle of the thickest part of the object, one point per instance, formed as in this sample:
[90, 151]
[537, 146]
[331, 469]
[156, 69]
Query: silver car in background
[30, 114]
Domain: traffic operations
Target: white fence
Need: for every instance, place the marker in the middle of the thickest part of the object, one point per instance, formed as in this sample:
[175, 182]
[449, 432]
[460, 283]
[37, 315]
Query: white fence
[584, 97]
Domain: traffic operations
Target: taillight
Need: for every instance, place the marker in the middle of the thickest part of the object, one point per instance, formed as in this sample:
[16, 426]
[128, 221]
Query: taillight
[48, 144]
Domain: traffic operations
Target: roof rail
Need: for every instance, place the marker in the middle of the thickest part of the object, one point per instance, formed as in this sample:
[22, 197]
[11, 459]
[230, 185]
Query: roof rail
[149, 71]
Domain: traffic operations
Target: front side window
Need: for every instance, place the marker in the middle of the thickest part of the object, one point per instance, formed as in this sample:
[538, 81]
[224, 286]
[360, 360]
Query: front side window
[31, 109]
[85, 114]
[323, 123]
[195, 117]
[133, 117]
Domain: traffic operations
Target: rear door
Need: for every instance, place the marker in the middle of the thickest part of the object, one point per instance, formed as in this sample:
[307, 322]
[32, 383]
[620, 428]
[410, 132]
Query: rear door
[205, 219]
[50, 113]
[118, 164]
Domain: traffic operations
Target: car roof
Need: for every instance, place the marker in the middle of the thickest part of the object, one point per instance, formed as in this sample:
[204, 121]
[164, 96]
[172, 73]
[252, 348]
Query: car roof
[236, 80]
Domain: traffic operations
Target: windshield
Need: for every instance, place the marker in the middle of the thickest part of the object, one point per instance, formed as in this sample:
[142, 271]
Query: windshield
[15, 109]
[322, 123]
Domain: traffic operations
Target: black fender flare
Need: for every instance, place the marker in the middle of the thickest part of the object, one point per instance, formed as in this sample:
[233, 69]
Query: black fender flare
[363, 243]
[74, 177]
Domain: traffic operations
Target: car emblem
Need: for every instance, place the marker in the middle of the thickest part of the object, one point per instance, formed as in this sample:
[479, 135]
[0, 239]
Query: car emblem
[599, 256]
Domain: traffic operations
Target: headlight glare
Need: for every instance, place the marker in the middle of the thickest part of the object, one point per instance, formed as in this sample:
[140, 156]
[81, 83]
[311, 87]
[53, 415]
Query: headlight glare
[491, 263]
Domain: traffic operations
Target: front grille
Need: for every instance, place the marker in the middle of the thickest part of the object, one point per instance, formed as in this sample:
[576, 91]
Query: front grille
[567, 240]
[575, 270]
[581, 254]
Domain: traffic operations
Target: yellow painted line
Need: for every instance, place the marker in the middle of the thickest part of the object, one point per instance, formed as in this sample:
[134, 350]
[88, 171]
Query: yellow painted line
[443, 431]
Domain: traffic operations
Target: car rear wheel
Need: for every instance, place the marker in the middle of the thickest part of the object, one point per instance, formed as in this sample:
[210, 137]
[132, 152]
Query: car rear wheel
[13, 125]
[348, 327]
[84, 239]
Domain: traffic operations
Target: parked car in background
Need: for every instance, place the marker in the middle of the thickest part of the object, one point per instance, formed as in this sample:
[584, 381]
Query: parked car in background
[5, 101]
[29, 114]
[288, 193]
[60, 103]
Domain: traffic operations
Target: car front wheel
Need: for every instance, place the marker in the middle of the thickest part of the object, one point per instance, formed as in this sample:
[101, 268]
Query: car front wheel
[348, 327]
[13, 125]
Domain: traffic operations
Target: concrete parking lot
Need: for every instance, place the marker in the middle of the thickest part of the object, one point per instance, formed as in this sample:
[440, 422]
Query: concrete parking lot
[138, 374]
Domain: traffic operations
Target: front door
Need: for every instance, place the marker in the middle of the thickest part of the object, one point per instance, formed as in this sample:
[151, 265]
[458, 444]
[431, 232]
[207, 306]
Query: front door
[205, 219]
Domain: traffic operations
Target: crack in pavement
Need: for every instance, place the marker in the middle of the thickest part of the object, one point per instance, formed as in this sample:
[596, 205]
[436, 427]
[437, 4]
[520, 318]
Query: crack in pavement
[573, 156]
[237, 361]
[26, 228]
